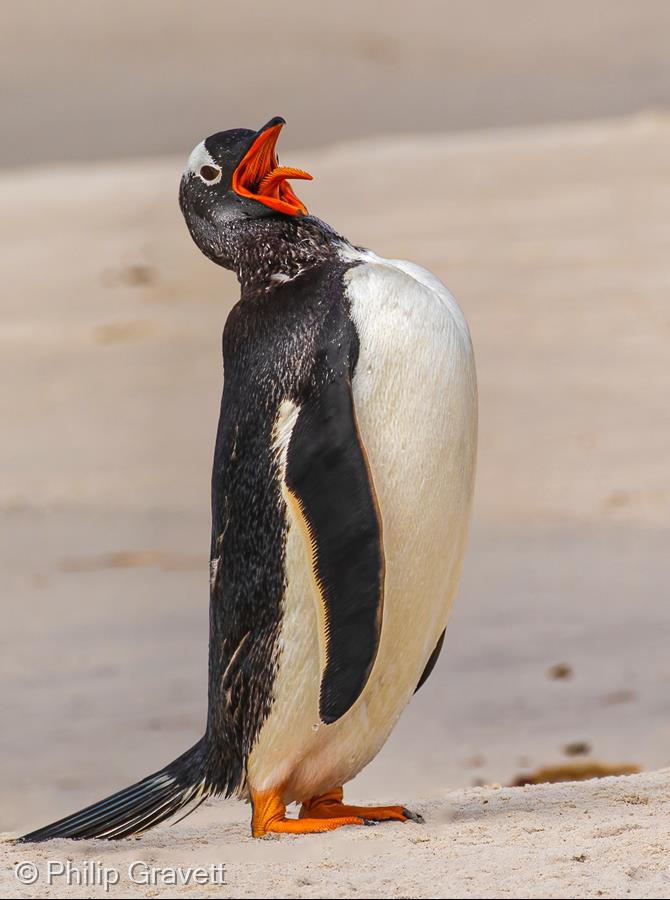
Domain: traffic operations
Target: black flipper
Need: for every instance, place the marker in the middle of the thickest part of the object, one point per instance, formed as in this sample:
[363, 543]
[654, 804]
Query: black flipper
[327, 476]
[432, 659]
[140, 806]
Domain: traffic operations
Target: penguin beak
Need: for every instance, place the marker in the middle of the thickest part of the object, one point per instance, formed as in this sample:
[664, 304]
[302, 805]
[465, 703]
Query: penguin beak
[259, 176]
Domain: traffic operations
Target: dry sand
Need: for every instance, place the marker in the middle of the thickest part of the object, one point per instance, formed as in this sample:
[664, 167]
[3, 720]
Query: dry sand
[606, 838]
[86, 80]
[555, 242]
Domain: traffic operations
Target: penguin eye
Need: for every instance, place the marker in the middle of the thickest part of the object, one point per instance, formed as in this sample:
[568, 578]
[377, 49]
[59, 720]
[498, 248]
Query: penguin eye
[210, 173]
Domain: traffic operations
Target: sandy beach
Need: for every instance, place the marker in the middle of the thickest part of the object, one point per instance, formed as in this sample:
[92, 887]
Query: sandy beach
[605, 838]
[96, 81]
[554, 240]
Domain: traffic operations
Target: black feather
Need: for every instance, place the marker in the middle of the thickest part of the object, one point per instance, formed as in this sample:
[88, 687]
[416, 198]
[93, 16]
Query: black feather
[138, 807]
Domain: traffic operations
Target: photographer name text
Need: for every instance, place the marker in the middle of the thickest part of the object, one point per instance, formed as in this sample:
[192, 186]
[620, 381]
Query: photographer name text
[93, 873]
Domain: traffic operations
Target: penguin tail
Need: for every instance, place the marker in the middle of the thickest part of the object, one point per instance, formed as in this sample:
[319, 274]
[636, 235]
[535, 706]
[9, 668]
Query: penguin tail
[157, 797]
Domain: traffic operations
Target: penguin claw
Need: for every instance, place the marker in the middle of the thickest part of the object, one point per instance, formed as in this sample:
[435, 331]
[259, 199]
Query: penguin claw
[413, 816]
[370, 821]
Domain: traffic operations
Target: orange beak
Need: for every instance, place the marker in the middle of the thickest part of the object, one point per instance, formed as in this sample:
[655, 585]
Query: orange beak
[260, 177]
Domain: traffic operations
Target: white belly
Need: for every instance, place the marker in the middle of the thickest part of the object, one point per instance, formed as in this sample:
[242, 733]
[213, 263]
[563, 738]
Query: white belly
[416, 404]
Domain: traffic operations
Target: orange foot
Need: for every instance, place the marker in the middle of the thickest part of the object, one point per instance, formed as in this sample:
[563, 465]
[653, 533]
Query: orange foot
[269, 816]
[329, 806]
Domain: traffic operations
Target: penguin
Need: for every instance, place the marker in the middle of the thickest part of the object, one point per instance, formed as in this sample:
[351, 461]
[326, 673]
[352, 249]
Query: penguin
[342, 484]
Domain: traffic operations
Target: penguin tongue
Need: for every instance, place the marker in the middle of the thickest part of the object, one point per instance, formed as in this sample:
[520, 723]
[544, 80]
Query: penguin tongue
[271, 183]
[260, 177]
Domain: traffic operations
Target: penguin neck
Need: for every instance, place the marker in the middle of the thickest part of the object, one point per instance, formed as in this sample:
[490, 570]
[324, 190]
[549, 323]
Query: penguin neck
[269, 252]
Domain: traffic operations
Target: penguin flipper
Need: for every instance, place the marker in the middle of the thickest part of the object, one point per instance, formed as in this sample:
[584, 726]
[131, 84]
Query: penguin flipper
[330, 487]
[432, 659]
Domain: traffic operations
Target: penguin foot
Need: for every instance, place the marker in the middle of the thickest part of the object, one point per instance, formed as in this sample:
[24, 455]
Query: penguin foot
[330, 806]
[269, 817]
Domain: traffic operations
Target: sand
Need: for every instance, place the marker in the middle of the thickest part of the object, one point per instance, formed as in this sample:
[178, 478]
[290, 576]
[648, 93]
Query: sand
[124, 78]
[604, 838]
[554, 240]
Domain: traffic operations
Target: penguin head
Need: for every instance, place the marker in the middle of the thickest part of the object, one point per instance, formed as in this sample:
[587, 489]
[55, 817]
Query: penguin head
[234, 177]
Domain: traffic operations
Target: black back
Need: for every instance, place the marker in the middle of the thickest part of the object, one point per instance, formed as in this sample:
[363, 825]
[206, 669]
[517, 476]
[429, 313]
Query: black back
[272, 345]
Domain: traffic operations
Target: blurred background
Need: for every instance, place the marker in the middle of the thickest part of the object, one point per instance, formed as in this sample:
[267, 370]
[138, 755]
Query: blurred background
[522, 152]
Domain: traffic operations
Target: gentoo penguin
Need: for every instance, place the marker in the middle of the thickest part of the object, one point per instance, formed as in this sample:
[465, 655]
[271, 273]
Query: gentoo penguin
[341, 492]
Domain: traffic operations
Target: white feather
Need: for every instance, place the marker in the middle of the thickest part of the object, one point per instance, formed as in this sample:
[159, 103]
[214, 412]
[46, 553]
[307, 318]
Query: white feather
[415, 398]
[200, 157]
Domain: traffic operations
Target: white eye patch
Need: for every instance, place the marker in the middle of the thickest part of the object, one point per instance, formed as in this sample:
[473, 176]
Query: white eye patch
[200, 163]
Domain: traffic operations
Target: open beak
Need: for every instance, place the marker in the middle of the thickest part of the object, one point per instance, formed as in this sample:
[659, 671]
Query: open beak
[260, 177]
